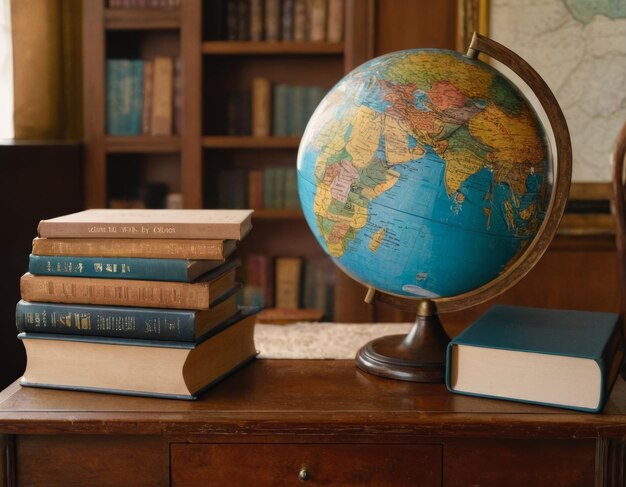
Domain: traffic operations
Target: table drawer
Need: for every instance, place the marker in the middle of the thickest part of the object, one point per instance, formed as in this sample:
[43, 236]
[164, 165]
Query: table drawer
[299, 465]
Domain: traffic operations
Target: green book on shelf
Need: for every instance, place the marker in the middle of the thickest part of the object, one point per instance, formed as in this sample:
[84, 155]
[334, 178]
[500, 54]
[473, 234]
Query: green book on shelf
[560, 358]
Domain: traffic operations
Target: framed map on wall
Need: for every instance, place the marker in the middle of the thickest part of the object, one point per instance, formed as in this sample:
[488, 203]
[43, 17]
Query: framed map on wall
[579, 49]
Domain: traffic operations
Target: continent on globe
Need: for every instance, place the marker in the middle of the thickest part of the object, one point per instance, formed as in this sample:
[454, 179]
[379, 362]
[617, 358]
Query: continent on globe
[424, 173]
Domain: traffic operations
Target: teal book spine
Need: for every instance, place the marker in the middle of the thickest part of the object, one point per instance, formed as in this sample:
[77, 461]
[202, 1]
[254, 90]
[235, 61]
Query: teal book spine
[111, 267]
[522, 336]
[135, 114]
[106, 321]
[279, 120]
[114, 69]
[292, 201]
[298, 109]
[124, 85]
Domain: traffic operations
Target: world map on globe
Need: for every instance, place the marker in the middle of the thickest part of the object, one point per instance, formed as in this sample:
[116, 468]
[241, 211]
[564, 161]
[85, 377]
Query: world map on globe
[424, 173]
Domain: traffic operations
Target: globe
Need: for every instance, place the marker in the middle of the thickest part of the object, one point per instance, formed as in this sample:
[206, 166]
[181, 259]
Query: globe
[427, 176]
[424, 173]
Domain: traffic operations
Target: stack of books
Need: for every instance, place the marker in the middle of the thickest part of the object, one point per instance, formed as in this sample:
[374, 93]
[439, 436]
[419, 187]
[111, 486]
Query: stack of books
[140, 302]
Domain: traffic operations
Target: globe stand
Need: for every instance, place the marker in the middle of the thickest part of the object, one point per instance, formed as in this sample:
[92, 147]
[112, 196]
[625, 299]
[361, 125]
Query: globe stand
[419, 356]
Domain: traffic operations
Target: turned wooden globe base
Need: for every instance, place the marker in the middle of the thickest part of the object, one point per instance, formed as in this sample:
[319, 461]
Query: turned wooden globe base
[419, 356]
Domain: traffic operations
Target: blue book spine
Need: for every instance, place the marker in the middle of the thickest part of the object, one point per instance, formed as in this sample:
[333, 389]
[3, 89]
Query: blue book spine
[298, 109]
[107, 321]
[280, 110]
[114, 68]
[110, 267]
[136, 102]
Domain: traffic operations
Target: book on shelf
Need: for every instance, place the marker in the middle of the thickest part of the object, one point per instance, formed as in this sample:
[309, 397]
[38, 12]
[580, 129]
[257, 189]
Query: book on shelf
[293, 106]
[232, 23]
[161, 121]
[148, 224]
[287, 20]
[148, 85]
[144, 3]
[300, 21]
[261, 107]
[560, 358]
[239, 113]
[272, 20]
[318, 286]
[178, 97]
[297, 109]
[281, 119]
[177, 270]
[336, 9]
[124, 96]
[317, 14]
[287, 282]
[256, 20]
[273, 187]
[199, 294]
[170, 369]
[125, 322]
[243, 20]
[258, 289]
[199, 249]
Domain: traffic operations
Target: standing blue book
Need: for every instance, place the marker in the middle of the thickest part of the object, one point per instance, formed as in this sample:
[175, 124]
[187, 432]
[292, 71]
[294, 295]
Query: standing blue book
[124, 93]
[177, 270]
[560, 358]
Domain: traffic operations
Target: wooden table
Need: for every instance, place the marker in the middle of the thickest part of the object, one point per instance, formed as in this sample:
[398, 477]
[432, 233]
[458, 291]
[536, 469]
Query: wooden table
[307, 422]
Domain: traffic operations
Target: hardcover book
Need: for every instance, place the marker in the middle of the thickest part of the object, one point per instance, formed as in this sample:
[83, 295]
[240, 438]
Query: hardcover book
[561, 358]
[272, 20]
[125, 322]
[261, 107]
[185, 224]
[198, 249]
[124, 85]
[288, 276]
[138, 367]
[200, 294]
[178, 270]
[161, 121]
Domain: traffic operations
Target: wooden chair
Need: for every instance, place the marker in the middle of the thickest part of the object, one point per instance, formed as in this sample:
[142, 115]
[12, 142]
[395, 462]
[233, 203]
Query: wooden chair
[618, 208]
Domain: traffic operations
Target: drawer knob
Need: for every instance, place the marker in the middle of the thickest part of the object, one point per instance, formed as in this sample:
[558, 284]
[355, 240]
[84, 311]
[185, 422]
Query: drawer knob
[304, 474]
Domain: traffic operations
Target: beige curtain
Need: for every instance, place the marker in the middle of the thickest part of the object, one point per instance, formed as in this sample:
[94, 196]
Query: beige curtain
[47, 69]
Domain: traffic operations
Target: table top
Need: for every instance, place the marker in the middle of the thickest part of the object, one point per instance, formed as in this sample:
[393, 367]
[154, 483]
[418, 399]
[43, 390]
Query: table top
[310, 397]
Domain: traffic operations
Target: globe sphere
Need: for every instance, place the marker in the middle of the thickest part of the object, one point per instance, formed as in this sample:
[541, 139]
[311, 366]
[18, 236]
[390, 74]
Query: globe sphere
[424, 173]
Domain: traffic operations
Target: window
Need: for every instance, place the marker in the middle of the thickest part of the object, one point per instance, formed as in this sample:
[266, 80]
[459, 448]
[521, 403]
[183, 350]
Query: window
[6, 72]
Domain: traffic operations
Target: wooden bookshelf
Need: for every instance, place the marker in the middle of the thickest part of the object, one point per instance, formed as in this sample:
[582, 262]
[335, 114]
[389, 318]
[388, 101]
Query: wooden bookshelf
[212, 69]
[142, 144]
[142, 33]
[142, 18]
[249, 142]
[242, 48]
